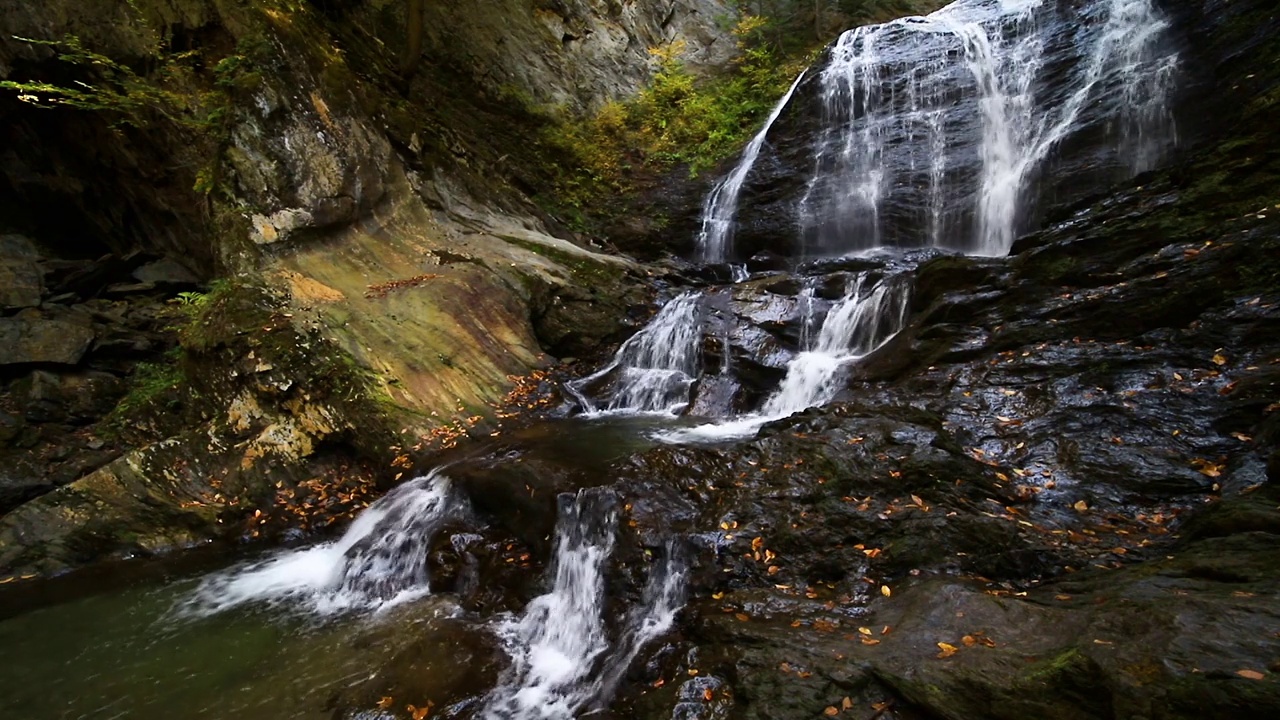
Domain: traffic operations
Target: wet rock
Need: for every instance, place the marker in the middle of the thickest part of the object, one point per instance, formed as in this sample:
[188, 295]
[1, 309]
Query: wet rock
[19, 484]
[166, 272]
[34, 338]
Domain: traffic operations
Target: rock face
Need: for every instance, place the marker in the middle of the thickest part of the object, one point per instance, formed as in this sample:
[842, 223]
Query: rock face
[377, 222]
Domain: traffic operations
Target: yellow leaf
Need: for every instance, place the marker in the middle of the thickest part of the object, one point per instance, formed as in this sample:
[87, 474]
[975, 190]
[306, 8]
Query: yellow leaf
[1081, 506]
[1219, 359]
[385, 702]
[885, 591]
[718, 596]
[947, 650]
[864, 630]
[1251, 674]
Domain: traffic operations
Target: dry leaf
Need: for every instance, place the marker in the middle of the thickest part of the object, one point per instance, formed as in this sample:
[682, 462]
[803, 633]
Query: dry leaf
[947, 650]
[831, 711]
[846, 703]
[1251, 674]
[1081, 506]
[385, 702]
[742, 617]
[707, 694]
[969, 641]
[1219, 359]
[885, 591]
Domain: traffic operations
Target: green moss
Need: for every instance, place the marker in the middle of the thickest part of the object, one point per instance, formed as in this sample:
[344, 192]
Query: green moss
[1064, 664]
[591, 274]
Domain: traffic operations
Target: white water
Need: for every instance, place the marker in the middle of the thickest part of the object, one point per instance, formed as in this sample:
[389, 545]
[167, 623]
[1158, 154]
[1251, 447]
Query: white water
[902, 122]
[715, 240]
[867, 318]
[562, 658]
[654, 369]
[380, 561]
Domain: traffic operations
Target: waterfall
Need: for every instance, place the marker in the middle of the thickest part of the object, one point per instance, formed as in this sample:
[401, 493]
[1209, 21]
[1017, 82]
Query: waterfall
[868, 316]
[654, 369]
[936, 129]
[562, 658]
[715, 240]
[378, 562]
[863, 321]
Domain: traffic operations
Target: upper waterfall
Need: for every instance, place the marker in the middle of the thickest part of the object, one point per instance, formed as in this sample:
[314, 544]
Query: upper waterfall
[945, 131]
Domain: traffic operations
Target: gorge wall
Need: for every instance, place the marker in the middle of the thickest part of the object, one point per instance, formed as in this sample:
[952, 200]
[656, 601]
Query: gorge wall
[386, 268]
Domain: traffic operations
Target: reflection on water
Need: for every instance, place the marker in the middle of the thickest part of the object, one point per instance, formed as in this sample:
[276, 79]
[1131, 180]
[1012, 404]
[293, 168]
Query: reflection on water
[123, 655]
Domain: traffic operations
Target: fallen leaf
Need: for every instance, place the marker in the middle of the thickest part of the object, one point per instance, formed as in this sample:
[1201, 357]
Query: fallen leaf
[885, 591]
[707, 694]
[385, 702]
[831, 711]
[947, 650]
[969, 640]
[1251, 674]
[1081, 506]
[846, 703]
[742, 617]
[1219, 359]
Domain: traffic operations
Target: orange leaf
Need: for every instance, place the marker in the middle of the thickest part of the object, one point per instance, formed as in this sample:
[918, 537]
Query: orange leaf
[385, 702]
[1251, 674]
[707, 694]
[831, 711]
[742, 617]
[947, 650]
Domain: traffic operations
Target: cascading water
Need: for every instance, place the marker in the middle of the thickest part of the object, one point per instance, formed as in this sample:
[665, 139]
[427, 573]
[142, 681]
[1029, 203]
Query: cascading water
[380, 561]
[560, 647]
[654, 369]
[868, 317]
[919, 150]
[939, 132]
[902, 118]
[715, 240]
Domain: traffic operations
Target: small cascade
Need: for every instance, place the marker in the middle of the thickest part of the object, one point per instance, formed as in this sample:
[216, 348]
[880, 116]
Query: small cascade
[863, 321]
[653, 370]
[868, 317]
[562, 657]
[380, 561]
[715, 240]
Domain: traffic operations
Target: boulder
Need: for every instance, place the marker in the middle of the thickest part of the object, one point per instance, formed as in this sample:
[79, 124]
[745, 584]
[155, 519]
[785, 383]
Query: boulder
[34, 338]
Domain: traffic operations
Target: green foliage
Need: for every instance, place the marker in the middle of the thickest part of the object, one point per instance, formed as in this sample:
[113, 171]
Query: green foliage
[113, 87]
[676, 120]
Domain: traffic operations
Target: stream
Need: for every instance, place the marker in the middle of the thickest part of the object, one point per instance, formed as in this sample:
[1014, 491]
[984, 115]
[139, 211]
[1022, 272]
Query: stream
[935, 134]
